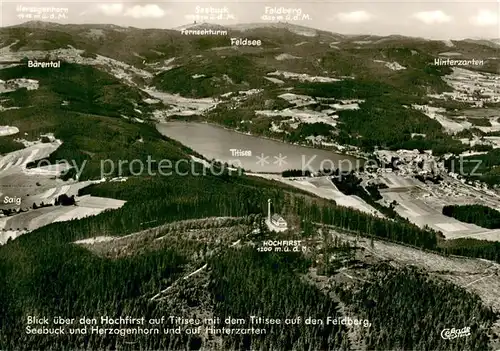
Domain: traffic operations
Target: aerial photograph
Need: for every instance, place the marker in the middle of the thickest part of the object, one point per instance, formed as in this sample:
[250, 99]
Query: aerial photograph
[250, 175]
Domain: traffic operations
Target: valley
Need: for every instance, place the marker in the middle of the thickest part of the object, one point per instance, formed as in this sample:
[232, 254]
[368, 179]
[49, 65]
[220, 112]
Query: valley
[256, 173]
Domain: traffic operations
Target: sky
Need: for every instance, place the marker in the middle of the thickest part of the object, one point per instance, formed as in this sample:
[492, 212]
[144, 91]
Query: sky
[429, 19]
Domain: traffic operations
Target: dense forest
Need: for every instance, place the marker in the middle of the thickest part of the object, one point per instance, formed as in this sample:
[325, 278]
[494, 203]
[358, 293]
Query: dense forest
[84, 284]
[8, 144]
[472, 248]
[482, 167]
[290, 173]
[480, 215]
[402, 303]
[249, 283]
[240, 72]
[82, 88]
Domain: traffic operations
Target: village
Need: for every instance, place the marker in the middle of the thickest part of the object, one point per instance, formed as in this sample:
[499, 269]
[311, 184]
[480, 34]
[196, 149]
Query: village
[471, 86]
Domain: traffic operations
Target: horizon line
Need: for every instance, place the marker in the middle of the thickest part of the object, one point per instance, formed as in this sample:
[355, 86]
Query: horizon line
[264, 24]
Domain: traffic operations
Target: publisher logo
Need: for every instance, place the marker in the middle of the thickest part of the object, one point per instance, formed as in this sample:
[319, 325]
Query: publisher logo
[450, 334]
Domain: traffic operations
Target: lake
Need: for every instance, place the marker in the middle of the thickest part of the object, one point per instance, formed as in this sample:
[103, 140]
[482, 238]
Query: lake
[251, 152]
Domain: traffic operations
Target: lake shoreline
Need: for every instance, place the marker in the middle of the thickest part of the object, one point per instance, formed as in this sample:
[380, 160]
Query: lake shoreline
[338, 152]
[226, 145]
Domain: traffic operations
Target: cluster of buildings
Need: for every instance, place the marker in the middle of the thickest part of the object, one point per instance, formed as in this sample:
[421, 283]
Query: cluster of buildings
[471, 86]
[408, 162]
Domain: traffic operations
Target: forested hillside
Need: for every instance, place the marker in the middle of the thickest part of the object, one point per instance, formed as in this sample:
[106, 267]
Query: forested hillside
[401, 304]
[248, 283]
[76, 88]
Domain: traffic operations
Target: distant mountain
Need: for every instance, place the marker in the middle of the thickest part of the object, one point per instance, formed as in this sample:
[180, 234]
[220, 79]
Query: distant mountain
[494, 43]
[37, 24]
[201, 26]
[59, 26]
[319, 50]
[380, 37]
[294, 28]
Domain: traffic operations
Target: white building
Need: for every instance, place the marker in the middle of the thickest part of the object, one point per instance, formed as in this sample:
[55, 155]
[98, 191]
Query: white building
[275, 222]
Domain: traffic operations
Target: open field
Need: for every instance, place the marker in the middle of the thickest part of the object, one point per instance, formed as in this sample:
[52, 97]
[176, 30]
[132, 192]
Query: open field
[34, 185]
[179, 105]
[35, 190]
[27, 187]
[421, 214]
[422, 204]
[325, 189]
[464, 82]
[7, 130]
[17, 181]
[449, 125]
[14, 226]
[394, 181]
[19, 159]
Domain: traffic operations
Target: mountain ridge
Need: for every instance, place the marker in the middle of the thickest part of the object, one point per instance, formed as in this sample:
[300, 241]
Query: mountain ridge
[243, 27]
